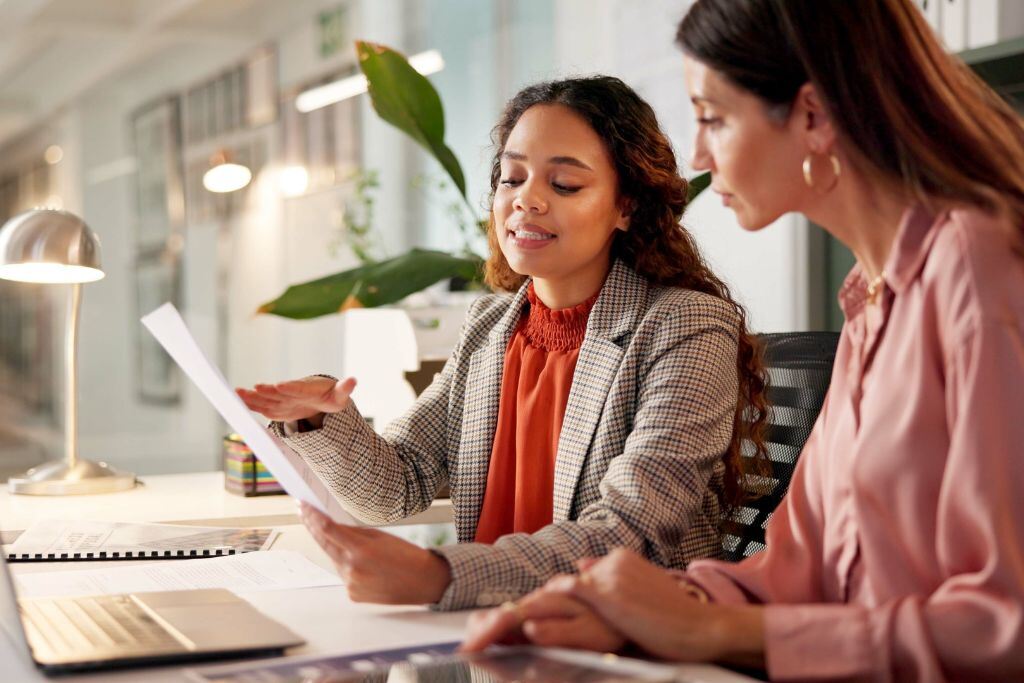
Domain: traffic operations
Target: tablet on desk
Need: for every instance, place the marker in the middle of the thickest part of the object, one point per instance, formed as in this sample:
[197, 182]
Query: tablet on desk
[440, 663]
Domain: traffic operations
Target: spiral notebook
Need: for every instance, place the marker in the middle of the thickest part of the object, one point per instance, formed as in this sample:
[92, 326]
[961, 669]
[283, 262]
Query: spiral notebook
[74, 540]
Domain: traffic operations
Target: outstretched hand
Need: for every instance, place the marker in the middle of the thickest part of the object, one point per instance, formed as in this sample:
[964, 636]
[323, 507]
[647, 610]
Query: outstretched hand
[298, 399]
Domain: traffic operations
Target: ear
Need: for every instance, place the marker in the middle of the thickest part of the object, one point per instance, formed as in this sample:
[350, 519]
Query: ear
[812, 120]
[626, 207]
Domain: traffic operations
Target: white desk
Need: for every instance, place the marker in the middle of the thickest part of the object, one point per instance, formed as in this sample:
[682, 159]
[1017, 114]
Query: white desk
[325, 617]
[198, 498]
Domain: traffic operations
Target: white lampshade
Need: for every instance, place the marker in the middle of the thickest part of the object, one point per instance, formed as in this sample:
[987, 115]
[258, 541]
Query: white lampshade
[226, 175]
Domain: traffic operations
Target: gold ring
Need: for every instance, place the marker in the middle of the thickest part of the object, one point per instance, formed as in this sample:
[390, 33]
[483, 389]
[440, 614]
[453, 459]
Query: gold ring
[515, 608]
[586, 579]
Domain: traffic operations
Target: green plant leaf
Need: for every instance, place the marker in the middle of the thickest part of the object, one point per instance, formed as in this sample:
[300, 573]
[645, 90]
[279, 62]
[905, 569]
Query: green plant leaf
[405, 98]
[698, 184]
[371, 285]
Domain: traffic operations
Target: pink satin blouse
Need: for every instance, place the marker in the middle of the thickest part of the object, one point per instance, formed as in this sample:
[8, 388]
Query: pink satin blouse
[898, 553]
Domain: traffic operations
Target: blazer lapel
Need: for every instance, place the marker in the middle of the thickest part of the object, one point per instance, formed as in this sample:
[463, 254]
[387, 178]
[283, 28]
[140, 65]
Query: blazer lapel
[480, 418]
[613, 317]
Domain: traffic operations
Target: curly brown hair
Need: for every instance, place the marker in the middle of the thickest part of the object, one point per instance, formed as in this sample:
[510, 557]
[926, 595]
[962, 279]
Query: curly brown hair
[656, 246]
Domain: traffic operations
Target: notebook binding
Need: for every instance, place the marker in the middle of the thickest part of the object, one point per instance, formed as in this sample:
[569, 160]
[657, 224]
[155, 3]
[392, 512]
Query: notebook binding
[128, 555]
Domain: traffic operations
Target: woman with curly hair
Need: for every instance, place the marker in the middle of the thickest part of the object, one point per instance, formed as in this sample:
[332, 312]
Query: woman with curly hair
[599, 403]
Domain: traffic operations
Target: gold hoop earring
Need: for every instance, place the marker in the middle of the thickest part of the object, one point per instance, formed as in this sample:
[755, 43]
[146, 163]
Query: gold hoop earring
[809, 167]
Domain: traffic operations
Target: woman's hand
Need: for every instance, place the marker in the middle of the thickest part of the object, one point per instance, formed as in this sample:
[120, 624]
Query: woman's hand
[544, 618]
[299, 398]
[650, 608]
[377, 566]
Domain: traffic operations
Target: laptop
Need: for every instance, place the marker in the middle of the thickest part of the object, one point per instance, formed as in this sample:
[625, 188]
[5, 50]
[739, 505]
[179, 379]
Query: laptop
[108, 631]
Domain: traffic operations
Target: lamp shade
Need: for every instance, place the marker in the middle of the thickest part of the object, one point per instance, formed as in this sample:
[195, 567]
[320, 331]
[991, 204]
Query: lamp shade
[225, 174]
[44, 245]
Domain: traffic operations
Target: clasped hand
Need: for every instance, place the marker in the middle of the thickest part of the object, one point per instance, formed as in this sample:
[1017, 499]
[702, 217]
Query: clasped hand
[621, 599]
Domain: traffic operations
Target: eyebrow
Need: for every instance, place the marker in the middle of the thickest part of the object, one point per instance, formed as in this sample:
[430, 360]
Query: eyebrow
[698, 99]
[563, 160]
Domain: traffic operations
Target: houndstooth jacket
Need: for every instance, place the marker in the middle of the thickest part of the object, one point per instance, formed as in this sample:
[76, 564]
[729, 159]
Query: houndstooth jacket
[639, 459]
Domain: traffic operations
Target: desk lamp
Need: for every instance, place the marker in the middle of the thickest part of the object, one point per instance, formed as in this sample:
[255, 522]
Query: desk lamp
[47, 246]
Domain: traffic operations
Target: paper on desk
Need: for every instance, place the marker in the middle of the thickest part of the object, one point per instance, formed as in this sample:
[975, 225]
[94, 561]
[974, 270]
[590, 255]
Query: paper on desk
[251, 572]
[290, 470]
[57, 536]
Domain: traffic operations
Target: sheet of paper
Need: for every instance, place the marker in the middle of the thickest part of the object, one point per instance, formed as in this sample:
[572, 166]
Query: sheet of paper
[56, 536]
[266, 571]
[287, 466]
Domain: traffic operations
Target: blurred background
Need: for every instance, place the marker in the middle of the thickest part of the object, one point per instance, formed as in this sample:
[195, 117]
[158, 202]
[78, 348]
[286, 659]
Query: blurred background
[113, 109]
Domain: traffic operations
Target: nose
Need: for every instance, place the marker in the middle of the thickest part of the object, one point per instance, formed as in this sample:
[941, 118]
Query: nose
[529, 198]
[701, 159]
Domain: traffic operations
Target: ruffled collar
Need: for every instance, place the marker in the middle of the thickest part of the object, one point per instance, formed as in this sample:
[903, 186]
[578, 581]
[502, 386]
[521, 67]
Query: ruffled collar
[556, 330]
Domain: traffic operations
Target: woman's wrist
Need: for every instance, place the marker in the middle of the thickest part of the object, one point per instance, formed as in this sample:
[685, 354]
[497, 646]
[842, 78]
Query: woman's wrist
[736, 635]
[437, 576]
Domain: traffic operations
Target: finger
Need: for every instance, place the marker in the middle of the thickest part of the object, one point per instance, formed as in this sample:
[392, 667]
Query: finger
[247, 396]
[339, 396]
[308, 388]
[345, 387]
[268, 390]
[585, 563]
[341, 535]
[263, 405]
[563, 584]
[571, 632]
[492, 627]
[311, 516]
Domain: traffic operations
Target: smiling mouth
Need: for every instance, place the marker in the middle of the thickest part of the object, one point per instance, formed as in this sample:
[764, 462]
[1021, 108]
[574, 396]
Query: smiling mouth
[526, 234]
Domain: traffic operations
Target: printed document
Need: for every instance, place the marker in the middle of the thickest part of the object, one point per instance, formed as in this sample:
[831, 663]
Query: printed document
[271, 570]
[81, 538]
[287, 466]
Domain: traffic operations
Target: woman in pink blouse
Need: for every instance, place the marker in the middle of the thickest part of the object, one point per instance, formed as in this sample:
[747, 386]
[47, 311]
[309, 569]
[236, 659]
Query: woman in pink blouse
[898, 553]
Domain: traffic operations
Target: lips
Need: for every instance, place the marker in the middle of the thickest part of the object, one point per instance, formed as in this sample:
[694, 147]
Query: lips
[527, 237]
[530, 232]
[726, 196]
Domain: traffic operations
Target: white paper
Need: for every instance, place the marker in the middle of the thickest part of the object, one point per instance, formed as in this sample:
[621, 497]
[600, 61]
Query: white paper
[287, 466]
[57, 536]
[251, 572]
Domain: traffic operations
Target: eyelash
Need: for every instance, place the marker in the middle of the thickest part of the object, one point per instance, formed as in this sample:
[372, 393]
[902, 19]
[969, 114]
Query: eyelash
[561, 189]
[711, 121]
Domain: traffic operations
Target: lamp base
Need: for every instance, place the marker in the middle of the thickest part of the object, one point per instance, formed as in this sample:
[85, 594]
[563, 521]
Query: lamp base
[59, 479]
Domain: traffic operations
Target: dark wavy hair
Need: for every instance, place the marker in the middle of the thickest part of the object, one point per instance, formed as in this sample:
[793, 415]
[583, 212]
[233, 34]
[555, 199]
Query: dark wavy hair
[656, 246]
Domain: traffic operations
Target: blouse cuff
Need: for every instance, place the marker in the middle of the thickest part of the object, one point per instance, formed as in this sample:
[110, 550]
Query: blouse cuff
[819, 642]
[474, 583]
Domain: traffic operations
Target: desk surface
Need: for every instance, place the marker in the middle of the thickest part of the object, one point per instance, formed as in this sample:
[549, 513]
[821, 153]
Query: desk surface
[325, 617]
[198, 498]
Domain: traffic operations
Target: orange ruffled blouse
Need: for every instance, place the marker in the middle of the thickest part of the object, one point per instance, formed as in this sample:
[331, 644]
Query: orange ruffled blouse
[539, 364]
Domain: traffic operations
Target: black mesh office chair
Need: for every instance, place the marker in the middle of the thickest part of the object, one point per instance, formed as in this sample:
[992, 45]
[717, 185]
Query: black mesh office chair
[799, 368]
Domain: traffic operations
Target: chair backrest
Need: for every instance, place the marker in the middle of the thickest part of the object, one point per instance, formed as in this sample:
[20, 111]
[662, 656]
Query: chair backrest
[799, 368]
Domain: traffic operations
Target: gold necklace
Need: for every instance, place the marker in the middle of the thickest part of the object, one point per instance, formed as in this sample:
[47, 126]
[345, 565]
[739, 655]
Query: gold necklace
[874, 287]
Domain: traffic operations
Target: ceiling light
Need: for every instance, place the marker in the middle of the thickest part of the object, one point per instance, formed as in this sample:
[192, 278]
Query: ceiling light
[429, 62]
[294, 181]
[225, 175]
[53, 154]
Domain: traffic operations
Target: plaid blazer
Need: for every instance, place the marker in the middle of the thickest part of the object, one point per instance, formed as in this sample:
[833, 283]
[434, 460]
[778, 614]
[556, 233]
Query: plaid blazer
[639, 458]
